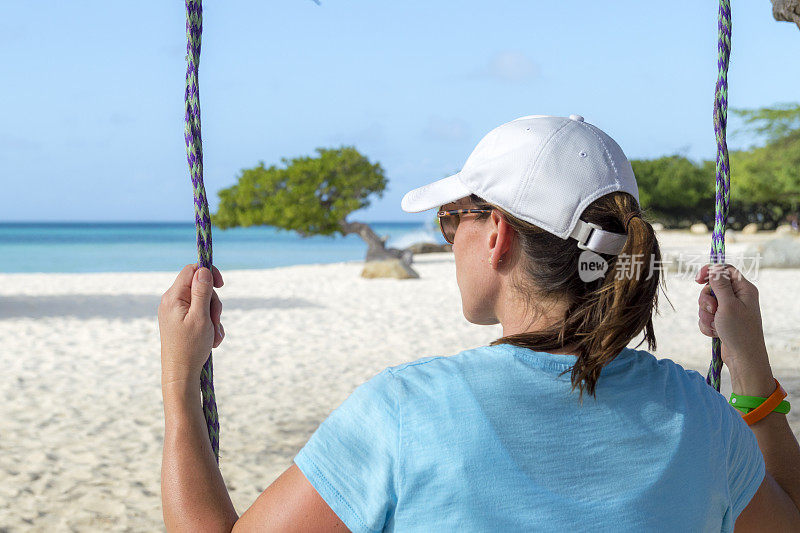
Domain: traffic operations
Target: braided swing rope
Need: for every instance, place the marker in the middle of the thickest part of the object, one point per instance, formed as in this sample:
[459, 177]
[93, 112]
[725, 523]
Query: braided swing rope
[202, 218]
[723, 181]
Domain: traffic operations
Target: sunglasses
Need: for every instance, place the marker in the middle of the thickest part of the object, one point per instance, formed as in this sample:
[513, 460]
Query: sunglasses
[448, 221]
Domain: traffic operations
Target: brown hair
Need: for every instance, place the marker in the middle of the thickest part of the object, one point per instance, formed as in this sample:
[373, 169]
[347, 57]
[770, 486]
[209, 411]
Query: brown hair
[602, 315]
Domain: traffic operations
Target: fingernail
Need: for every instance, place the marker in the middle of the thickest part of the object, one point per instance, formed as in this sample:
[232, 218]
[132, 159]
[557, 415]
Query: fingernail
[708, 308]
[713, 326]
[204, 275]
[221, 330]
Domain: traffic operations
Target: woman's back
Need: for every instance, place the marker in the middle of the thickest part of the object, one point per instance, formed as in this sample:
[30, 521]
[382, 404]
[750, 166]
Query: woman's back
[493, 439]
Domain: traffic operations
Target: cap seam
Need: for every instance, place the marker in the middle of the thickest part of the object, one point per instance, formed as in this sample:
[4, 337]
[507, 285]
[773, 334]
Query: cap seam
[458, 178]
[533, 164]
[605, 149]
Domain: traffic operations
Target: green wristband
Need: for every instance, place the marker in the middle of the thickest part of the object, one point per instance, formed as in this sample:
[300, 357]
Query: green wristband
[745, 404]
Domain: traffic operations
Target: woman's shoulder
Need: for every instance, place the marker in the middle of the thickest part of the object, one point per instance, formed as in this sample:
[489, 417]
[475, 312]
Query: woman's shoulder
[433, 363]
[682, 379]
[665, 365]
[407, 367]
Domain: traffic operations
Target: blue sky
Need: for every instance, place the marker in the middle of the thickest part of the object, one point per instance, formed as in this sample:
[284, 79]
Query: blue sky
[91, 101]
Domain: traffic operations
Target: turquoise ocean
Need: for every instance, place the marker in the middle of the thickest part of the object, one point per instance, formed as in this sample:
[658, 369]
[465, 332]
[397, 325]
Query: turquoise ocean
[164, 246]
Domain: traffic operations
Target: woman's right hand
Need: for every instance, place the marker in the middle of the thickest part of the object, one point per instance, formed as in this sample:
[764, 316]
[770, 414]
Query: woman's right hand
[734, 316]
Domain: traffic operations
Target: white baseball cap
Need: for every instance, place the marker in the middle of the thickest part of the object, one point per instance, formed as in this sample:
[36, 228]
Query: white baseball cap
[542, 169]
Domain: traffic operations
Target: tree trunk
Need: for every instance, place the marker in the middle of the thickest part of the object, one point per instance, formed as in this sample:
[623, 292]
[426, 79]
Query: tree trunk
[376, 246]
[786, 11]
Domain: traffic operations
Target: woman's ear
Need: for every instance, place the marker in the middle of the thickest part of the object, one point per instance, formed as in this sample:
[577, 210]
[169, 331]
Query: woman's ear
[502, 235]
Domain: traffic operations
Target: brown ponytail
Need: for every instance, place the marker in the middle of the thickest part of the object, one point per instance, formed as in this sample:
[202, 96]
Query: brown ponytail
[602, 315]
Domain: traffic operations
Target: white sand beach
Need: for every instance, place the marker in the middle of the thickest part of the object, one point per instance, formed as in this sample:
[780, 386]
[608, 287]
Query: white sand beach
[81, 433]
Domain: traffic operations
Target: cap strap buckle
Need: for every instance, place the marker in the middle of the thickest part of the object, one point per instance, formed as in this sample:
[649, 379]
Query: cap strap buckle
[592, 237]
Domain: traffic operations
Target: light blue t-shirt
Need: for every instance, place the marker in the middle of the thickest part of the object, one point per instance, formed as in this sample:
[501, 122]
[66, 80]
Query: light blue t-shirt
[492, 439]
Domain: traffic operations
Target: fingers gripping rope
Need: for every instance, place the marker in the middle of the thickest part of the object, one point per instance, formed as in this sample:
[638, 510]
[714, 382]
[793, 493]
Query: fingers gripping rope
[202, 218]
[723, 180]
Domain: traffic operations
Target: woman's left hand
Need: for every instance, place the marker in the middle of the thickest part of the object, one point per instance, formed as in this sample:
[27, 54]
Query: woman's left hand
[189, 323]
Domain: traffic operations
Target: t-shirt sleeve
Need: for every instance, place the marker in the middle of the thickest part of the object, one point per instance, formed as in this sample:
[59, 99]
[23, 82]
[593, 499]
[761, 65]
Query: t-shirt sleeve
[746, 467]
[351, 458]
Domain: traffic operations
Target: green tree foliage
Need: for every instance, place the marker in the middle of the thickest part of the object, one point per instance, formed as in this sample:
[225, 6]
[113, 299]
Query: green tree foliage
[773, 123]
[770, 173]
[674, 189]
[765, 180]
[310, 195]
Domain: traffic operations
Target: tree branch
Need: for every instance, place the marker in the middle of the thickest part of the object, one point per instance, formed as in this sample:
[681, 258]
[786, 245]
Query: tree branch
[363, 231]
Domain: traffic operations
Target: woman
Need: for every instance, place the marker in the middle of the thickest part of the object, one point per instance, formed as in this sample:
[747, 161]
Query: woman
[549, 241]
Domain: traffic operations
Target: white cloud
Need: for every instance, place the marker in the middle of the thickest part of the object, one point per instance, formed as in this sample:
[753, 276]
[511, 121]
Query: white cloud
[446, 129]
[374, 133]
[120, 119]
[510, 66]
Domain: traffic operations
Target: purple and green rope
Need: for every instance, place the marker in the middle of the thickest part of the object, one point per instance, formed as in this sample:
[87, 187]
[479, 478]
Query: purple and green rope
[723, 182]
[202, 218]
